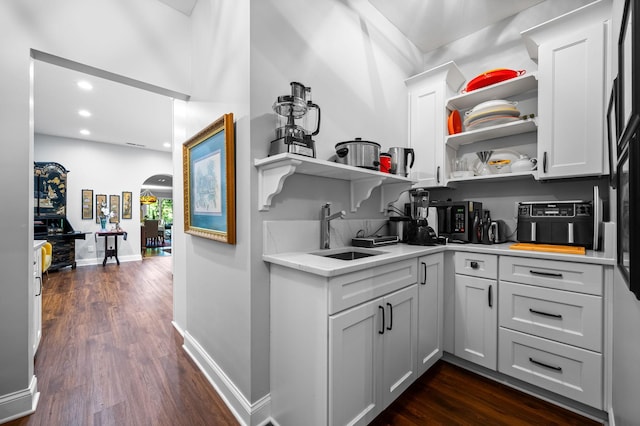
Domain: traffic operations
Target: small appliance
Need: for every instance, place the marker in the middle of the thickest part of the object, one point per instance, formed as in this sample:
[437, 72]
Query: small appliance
[559, 222]
[400, 164]
[293, 134]
[498, 232]
[455, 220]
[419, 232]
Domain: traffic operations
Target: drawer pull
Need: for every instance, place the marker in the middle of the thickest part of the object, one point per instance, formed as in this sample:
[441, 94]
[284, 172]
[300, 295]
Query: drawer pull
[390, 316]
[546, 314]
[381, 331]
[545, 274]
[424, 272]
[474, 264]
[542, 364]
[490, 296]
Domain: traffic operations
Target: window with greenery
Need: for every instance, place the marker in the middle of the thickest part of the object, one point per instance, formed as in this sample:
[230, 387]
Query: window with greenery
[163, 212]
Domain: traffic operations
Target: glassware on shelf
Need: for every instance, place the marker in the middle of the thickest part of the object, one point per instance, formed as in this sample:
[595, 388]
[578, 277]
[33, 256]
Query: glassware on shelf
[484, 157]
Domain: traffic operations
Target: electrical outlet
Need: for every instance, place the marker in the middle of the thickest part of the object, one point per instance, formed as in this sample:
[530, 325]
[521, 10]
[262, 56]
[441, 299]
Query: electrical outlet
[90, 249]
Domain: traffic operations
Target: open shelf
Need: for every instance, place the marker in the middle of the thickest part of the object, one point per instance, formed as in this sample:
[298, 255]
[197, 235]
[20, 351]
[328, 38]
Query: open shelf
[273, 171]
[502, 90]
[497, 176]
[493, 132]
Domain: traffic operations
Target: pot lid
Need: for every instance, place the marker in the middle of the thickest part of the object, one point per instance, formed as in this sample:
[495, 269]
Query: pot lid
[358, 141]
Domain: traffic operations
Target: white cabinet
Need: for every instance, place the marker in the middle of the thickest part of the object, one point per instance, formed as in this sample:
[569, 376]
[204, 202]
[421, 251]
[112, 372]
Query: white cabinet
[476, 308]
[342, 347]
[551, 326]
[36, 292]
[430, 310]
[372, 356]
[428, 92]
[571, 52]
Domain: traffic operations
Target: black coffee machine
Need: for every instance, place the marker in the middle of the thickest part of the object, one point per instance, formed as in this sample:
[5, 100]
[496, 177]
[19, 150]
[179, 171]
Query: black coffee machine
[420, 233]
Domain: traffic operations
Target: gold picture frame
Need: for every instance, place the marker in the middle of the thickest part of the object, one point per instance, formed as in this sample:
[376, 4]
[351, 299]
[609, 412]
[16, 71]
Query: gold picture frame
[127, 208]
[87, 204]
[100, 200]
[114, 208]
[209, 182]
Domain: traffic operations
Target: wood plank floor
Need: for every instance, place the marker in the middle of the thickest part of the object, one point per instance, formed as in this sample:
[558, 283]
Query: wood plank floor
[110, 356]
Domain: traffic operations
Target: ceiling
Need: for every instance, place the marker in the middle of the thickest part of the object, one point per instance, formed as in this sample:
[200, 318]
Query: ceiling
[434, 23]
[127, 115]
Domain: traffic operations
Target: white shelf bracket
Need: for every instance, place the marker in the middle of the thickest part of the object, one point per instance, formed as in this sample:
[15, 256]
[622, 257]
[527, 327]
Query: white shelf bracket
[361, 190]
[391, 193]
[271, 180]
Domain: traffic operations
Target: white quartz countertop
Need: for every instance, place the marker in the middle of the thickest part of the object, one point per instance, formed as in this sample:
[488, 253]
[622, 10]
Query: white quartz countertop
[329, 267]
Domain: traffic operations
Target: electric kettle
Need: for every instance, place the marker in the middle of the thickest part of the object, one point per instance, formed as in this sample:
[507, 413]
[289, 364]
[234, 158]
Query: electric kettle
[400, 160]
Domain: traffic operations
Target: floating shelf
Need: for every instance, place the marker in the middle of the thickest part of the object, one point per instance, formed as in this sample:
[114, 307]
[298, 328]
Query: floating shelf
[502, 90]
[273, 171]
[493, 132]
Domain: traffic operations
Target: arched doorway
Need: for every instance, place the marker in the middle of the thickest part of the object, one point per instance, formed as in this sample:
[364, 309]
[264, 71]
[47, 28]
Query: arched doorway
[156, 214]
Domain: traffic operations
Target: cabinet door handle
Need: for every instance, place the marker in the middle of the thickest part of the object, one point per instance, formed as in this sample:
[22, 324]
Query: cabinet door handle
[545, 274]
[490, 297]
[381, 331]
[438, 175]
[543, 364]
[546, 314]
[424, 273]
[474, 264]
[40, 281]
[390, 316]
[544, 162]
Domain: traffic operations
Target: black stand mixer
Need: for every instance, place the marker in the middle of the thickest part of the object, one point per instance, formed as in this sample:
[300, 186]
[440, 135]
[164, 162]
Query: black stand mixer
[420, 233]
[291, 132]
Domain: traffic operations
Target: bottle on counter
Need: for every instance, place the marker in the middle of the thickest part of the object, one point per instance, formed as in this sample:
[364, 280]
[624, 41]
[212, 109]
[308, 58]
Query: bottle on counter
[486, 226]
[476, 234]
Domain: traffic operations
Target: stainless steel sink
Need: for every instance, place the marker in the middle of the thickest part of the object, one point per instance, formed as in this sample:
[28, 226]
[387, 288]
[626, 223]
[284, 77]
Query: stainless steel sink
[348, 253]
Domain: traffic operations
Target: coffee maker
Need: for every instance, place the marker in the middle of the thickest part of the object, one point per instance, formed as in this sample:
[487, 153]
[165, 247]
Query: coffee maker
[420, 233]
[293, 120]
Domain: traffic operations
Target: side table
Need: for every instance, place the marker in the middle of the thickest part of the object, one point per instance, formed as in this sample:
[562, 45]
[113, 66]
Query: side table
[113, 251]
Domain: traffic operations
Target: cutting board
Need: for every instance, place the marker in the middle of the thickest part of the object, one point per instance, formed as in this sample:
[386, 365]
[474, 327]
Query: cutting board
[549, 248]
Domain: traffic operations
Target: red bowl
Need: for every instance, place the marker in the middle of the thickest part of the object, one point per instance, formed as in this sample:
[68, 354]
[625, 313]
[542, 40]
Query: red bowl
[492, 77]
[454, 123]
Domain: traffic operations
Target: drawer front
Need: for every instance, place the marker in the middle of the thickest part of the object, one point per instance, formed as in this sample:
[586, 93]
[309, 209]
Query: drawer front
[570, 276]
[476, 264]
[569, 371]
[352, 289]
[571, 318]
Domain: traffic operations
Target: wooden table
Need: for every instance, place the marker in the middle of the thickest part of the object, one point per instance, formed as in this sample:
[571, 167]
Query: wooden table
[113, 251]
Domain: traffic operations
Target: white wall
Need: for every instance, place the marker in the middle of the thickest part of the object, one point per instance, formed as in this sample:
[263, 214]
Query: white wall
[106, 169]
[141, 49]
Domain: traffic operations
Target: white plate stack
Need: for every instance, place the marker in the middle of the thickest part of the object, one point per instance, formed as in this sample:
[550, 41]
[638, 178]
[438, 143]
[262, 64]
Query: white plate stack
[491, 113]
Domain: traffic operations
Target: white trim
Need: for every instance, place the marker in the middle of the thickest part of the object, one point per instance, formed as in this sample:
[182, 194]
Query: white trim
[110, 260]
[247, 414]
[178, 328]
[19, 404]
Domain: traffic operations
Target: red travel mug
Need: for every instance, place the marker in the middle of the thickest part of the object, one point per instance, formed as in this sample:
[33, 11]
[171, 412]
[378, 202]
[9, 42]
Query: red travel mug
[385, 163]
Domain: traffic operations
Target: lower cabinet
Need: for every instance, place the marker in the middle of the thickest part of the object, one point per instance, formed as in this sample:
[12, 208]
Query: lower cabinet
[476, 309]
[36, 291]
[372, 356]
[430, 310]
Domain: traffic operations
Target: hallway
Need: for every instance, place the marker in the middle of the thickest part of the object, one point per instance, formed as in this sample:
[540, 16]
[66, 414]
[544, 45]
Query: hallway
[109, 354]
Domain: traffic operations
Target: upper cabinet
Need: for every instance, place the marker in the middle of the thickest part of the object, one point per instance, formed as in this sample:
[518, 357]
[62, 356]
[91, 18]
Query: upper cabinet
[428, 92]
[571, 52]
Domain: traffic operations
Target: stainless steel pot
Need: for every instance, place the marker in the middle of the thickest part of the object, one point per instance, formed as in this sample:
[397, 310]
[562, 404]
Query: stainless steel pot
[359, 153]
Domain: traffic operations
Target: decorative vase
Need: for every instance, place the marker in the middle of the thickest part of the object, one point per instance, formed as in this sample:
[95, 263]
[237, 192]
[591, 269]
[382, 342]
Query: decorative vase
[103, 223]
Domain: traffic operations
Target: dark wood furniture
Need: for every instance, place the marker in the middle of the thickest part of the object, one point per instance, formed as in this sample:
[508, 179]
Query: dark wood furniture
[110, 251]
[58, 231]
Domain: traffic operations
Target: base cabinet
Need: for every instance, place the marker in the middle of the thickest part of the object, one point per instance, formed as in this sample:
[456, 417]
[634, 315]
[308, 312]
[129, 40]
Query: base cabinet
[430, 310]
[36, 292]
[372, 356]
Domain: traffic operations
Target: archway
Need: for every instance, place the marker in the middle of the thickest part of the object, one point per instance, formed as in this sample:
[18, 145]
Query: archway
[156, 215]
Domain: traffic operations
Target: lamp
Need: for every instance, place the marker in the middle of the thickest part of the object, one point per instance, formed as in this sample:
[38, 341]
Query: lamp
[146, 197]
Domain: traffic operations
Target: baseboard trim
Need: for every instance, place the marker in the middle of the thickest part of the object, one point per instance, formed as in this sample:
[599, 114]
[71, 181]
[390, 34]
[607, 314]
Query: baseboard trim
[111, 260]
[256, 414]
[19, 404]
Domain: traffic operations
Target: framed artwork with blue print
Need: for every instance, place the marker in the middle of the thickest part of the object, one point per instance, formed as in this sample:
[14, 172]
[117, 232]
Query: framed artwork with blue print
[209, 182]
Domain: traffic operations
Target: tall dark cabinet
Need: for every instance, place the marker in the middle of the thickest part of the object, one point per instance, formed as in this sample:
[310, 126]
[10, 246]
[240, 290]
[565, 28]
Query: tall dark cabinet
[50, 213]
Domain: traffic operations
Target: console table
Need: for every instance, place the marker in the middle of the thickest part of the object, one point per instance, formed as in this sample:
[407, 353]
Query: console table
[110, 252]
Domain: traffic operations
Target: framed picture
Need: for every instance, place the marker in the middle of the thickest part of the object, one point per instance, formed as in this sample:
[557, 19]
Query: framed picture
[209, 182]
[114, 208]
[101, 201]
[126, 205]
[87, 204]
[628, 69]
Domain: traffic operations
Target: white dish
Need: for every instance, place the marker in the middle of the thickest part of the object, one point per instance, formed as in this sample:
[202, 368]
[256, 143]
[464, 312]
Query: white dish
[492, 104]
[491, 121]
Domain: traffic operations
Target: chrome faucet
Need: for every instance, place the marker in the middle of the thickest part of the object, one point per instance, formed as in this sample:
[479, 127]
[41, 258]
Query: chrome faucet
[325, 219]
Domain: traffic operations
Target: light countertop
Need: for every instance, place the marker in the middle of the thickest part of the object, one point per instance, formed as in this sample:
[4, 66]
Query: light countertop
[329, 267]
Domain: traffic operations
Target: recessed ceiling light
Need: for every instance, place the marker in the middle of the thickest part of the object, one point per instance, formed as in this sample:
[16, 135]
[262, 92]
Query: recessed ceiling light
[85, 132]
[85, 85]
[166, 145]
[84, 113]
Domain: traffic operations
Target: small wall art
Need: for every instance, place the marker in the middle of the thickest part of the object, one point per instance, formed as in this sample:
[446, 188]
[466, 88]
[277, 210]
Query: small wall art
[127, 209]
[87, 204]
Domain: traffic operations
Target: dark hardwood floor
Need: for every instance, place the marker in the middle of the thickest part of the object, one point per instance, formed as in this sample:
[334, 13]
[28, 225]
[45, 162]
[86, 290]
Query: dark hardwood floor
[110, 356]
